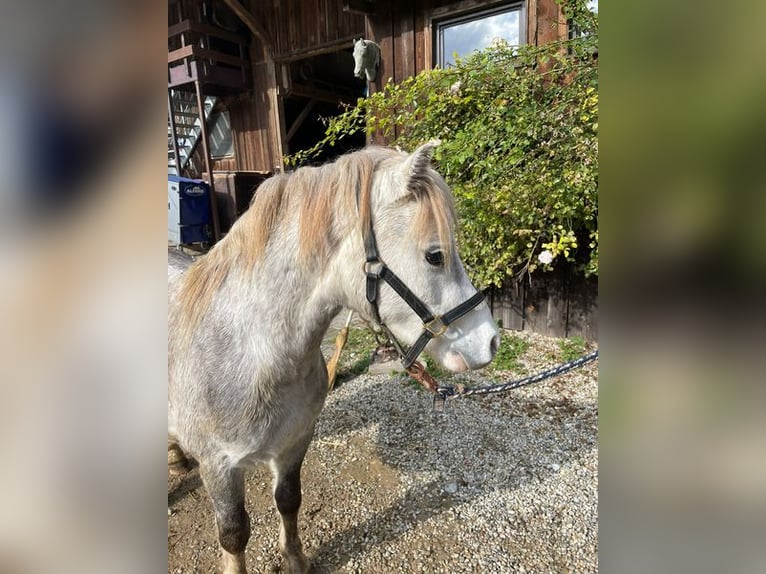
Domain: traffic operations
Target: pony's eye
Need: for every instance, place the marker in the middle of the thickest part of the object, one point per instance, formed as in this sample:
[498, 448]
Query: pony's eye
[435, 258]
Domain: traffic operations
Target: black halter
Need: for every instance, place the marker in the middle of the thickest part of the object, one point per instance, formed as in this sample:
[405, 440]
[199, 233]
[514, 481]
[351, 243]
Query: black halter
[433, 325]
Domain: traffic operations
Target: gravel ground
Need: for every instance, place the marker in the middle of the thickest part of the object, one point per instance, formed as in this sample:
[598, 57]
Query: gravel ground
[493, 484]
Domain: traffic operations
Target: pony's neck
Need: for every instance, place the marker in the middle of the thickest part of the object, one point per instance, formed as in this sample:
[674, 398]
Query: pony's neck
[299, 249]
[291, 305]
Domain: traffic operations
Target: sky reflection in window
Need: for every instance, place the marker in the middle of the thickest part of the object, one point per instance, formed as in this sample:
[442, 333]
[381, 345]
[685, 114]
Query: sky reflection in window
[465, 37]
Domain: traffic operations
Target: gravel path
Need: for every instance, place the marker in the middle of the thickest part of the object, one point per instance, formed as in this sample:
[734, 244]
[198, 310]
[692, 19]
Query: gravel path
[494, 484]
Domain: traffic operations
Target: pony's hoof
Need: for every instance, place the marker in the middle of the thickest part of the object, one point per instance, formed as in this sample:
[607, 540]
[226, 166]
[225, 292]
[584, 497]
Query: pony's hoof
[234, 563]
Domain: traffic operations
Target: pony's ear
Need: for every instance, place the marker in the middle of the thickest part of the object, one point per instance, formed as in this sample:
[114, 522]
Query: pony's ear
[416, 166]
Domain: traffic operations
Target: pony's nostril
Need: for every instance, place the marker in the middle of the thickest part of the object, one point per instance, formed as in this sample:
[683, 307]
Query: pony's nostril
[494, 345]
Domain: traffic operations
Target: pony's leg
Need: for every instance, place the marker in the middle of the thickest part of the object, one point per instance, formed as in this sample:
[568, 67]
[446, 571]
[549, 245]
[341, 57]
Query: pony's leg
[287, 495]
[177, 461]
[226, 487]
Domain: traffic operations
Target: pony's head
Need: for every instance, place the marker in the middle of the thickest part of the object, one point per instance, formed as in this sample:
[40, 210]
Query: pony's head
[366, 59]
[413, 223]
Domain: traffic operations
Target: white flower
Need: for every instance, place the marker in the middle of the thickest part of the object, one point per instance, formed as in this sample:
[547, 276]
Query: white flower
[545, 257]
[455, 88]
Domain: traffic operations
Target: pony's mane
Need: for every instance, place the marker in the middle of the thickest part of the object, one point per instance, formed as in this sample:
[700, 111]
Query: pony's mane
[331, 201]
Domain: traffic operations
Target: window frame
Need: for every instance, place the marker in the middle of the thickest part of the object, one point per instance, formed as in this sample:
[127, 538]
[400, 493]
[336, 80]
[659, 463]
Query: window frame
[438, 24]
[223, 113]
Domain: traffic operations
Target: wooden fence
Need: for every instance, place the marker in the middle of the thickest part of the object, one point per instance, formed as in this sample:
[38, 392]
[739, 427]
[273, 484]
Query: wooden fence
[561, 303]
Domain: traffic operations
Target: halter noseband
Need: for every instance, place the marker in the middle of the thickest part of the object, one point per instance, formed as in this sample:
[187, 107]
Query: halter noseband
[433, 325]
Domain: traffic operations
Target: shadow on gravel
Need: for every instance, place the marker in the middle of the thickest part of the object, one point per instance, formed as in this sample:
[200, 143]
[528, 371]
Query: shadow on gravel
[419, 504]
[475, 447]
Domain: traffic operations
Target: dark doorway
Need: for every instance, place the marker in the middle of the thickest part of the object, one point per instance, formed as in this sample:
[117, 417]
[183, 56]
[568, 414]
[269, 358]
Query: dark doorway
[320, 87]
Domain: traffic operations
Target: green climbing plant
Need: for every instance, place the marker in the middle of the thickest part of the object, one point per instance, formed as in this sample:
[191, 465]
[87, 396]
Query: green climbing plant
[519, 133]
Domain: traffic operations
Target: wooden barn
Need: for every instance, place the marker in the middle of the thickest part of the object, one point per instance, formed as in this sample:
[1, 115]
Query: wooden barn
[251, 80]
[267, 71]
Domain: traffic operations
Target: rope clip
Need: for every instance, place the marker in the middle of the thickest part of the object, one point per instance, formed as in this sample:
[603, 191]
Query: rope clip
[441, 395]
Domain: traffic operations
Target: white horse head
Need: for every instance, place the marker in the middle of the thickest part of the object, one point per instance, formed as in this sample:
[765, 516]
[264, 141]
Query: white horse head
[413, 222]
[366, 59]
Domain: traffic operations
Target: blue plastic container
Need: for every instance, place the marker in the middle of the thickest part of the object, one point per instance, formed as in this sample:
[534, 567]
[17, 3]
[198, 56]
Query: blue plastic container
[188, 210]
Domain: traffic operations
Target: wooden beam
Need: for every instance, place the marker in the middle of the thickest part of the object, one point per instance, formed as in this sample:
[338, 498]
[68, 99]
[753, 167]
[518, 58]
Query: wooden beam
[251, 22]
[180, 54]
[310, 92]
[185, 118]
[203, 53]
[208, 163]
[300, 119]
[189, 26]
[175, 29]
[206, 54]
[326, 48]
[366, 7]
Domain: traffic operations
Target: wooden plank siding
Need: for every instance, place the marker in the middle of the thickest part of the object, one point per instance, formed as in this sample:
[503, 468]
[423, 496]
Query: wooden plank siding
[297, 26]
[301, 28]
[546, 300]
[296, 29]
[562, 303]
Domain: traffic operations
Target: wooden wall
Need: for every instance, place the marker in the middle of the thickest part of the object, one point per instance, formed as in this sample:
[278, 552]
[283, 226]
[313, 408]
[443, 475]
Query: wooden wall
[294, 29]
[297, 27]
[254, 128]
[254, 139]
[561, 303]
[545, 22]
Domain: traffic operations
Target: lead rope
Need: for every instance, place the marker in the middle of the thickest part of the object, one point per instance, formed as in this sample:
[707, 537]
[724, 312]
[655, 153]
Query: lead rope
[443, 393]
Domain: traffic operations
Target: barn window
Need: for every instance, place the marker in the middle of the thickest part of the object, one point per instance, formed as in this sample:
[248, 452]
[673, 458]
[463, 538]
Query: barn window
[219, 129]
[474, 31]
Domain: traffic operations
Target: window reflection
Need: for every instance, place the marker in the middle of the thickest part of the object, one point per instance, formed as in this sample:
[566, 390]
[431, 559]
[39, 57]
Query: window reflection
[475, 32]
[221, 142]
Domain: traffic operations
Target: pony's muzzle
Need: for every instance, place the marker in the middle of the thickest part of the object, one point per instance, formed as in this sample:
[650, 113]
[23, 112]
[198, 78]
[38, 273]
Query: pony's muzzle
[461, 359]
[455, 362]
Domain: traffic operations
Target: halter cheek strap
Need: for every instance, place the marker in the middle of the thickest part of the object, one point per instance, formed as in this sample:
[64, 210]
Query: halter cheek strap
[433, 325]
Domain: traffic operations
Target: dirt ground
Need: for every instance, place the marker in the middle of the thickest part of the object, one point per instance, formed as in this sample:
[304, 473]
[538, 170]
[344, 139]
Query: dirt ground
[359, 494]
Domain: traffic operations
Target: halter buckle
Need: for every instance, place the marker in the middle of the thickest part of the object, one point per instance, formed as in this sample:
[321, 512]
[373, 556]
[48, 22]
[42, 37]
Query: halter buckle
[373, 268]
[435, 326]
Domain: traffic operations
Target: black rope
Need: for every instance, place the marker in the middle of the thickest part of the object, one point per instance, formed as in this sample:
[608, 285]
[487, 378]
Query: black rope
[449, 392]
